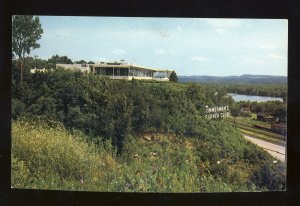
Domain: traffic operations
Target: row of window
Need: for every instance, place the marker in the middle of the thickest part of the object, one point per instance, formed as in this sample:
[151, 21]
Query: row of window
[108, 71]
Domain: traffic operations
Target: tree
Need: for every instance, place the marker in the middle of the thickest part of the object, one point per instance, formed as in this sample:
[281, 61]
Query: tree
[80, 62]
[55, 59]
[235, 111]
[26, 31]
[173, 77]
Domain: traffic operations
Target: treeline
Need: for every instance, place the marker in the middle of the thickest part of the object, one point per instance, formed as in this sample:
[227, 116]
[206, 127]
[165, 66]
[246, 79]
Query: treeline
[50, 63]
[243, 79]
[275, 108]
[100, 106]
[121, 112]
[272, 90]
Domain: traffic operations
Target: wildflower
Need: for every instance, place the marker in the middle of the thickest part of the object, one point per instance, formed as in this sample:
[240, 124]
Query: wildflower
[153, 154]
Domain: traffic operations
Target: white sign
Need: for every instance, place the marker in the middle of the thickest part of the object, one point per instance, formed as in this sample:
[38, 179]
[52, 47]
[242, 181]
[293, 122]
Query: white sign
[217, 112]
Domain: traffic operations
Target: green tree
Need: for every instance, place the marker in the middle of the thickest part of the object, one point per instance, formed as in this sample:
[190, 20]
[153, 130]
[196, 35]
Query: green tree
[26, 31]
[235, 111]
[173, 77]
[56, 59]
[80, 62]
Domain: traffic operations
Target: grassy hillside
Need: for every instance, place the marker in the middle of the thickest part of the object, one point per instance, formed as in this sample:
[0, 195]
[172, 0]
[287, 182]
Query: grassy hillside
[76, 131]
[47, 156]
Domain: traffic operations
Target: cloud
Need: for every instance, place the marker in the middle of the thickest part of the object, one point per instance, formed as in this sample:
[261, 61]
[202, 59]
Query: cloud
[118, 51]
[159, 51]
[198, 59]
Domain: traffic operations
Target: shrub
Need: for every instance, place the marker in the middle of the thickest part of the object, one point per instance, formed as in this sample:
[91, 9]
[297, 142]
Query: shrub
[216, 159]
[55, 156]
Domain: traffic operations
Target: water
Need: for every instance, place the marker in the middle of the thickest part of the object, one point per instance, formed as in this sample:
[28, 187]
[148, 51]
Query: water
[252, 98]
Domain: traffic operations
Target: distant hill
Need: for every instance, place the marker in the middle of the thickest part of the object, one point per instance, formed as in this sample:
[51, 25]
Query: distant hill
[243, 79]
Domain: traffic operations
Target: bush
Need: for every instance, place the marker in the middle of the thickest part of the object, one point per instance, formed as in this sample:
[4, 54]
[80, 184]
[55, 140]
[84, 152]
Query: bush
[54, 156]
[17, 108]
[62, 148]
[47, 156]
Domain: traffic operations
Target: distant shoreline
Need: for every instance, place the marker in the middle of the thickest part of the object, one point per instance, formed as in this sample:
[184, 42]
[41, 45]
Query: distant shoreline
[243, 79]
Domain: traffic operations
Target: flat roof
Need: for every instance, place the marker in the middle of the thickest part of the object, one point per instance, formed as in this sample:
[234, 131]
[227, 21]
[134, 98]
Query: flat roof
[131, 66]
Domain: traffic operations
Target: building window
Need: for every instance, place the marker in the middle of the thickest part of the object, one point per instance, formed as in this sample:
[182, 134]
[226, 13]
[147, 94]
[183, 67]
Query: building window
[124, 72]
[109, 71]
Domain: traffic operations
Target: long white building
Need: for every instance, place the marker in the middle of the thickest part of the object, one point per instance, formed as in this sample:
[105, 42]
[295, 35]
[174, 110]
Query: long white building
[120, 70]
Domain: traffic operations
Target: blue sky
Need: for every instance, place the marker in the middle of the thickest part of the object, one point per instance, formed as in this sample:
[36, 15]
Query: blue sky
[190, 46]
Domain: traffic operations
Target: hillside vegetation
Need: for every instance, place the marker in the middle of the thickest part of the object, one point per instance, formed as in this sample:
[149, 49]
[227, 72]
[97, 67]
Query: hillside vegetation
[78, 131]
[46, 156]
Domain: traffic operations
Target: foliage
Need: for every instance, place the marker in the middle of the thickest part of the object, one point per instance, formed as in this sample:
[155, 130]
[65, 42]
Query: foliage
[56, 59]
[275, 108]
[261, 136]
[80, 62]
[235, 111]
[173, 77]
[102, 107]
[71, 127]
[273, 90]
[249, 125]
[46, 156]
[26, 31]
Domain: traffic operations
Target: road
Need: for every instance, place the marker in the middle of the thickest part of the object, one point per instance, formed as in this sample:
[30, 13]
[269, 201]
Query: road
[275, 150]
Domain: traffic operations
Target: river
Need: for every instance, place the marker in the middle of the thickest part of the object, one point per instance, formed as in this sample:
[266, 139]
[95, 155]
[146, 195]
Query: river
[252, 98]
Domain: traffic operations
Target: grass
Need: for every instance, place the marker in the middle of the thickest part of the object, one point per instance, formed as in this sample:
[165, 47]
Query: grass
[50, 157]
[261, 136]
[251, 121]
[263, 132]
[258, 132]
[47, 157]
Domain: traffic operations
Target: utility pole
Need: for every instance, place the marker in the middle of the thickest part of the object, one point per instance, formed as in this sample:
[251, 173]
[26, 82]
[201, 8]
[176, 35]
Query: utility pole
[35, 56]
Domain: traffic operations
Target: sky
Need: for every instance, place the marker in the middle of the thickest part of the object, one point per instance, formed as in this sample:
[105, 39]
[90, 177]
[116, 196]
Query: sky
[190, 46]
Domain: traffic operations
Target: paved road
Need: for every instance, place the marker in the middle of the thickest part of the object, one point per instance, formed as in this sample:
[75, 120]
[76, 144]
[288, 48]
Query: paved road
[275, 150]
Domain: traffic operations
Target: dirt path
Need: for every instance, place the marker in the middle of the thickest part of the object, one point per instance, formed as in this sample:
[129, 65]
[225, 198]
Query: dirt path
[275, 150]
